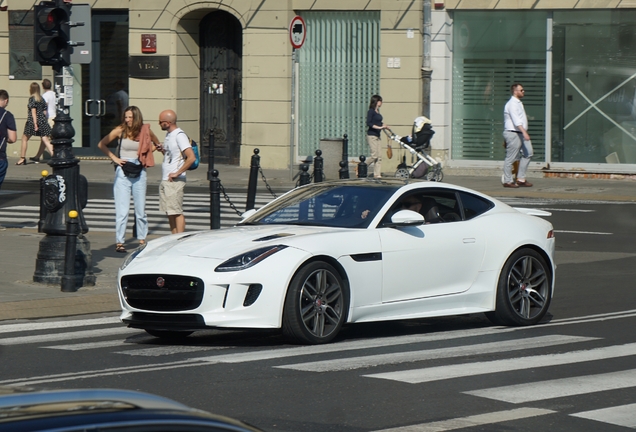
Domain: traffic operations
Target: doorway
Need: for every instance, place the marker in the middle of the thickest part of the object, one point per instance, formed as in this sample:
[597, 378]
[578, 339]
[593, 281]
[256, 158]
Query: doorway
[104, 80]
[221, 43]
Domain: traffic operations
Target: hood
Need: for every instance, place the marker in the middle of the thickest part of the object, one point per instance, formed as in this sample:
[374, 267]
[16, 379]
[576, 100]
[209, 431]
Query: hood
[225, 243]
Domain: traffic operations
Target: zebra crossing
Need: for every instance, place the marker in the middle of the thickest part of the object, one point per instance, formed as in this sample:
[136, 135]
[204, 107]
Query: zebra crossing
[100, 213]
[418, 359]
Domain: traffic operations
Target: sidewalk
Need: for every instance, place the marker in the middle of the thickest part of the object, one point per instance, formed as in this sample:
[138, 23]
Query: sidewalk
[21, 298]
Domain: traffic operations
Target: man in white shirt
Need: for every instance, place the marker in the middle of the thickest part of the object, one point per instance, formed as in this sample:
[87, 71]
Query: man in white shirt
[178, 157]
[517, 139]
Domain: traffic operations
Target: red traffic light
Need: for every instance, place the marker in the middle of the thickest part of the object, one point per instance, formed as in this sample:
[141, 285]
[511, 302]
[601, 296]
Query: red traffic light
[52, 33]
[50, 18]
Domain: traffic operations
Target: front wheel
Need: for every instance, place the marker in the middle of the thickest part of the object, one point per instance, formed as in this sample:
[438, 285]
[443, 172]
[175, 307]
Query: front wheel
[402, 173]
[316, 304]
[524, 290]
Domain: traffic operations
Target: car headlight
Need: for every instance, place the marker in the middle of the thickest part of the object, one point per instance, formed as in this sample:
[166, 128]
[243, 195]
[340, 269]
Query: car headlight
[248, 259]
[131, 256]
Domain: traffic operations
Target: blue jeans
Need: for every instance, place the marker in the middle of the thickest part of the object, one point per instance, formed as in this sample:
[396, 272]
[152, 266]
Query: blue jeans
[3, 170]
[122, 189]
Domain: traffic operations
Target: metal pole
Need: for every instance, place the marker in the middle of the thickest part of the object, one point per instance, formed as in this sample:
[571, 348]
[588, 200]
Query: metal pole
[293, 114]
[251, 184]
[215, 201]
[44, 174]
[344, 169]
[362, 167]
[318, 166]
[72, 230]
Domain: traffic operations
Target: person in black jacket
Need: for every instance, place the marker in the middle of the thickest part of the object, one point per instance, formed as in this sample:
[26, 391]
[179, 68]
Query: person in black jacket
[375, 125]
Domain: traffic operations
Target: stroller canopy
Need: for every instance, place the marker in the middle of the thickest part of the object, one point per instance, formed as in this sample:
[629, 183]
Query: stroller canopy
[422, 132]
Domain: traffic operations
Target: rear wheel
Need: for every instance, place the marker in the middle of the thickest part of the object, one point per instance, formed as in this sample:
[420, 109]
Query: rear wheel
[524, 290]
[316, 304]
[169, 334]
[402, 173]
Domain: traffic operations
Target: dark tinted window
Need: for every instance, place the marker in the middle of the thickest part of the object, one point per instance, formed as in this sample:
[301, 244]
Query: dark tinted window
[474, 205]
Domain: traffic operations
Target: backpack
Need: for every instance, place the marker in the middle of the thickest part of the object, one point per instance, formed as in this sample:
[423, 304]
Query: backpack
[195, 149]
[197, 159]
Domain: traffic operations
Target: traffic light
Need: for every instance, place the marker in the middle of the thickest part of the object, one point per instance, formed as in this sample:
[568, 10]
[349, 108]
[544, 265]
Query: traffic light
[52, 33]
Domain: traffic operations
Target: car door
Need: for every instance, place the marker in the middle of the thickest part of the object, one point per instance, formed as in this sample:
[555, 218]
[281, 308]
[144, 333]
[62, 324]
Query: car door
[434, 259]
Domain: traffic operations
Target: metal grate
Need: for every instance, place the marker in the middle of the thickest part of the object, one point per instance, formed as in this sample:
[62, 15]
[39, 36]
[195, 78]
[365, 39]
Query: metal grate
[339, 68]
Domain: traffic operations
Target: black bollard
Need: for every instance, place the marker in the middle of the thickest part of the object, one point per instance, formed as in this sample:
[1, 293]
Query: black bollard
[343, 172]
[305, 178]
[44, 175]
[318, 167]
[251, 184]
[345, 148]
[362, 167]
[215, 201]
[72, 231]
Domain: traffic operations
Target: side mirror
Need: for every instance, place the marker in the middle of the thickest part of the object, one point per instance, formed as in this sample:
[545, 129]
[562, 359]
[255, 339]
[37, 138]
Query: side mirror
[247, 214]
[406, 218]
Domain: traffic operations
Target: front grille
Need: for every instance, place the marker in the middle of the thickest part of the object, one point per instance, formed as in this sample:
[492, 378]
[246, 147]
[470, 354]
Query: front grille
[177, 293]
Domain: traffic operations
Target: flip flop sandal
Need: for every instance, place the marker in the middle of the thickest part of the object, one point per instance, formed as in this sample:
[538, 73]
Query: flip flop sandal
[120, 248]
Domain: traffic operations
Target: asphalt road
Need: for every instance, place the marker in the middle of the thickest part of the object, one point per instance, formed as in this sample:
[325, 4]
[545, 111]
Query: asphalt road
[574, 372]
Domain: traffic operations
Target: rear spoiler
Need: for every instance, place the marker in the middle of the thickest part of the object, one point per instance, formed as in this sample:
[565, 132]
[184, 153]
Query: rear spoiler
[532, 211]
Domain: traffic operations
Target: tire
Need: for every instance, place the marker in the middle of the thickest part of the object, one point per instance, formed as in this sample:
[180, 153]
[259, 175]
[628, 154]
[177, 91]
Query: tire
[168, 334]
[316, 304]
[402, 173]
[435, 174]
[524, 291]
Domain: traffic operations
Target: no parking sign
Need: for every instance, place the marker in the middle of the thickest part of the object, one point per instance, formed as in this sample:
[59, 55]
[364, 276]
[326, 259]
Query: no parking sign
[297, 32]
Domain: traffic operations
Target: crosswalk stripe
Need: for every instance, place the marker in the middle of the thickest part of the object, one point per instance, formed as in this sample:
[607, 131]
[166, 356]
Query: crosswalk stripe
[416, 376]
[100, 213]
[13, 328]
[472, 421]
[89, 345]
[563, 387]
[351, 363]
[620, 416]
[84, 334]
[168, 350]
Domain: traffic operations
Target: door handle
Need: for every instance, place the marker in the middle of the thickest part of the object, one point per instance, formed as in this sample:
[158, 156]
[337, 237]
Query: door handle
[86, 111]
[470, 240]
[101, 108]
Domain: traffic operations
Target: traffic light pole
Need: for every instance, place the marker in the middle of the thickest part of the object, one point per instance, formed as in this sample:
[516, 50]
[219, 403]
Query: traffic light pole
[64, 190]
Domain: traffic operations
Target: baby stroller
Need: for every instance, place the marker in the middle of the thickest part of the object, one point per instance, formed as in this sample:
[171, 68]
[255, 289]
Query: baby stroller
[418, 143]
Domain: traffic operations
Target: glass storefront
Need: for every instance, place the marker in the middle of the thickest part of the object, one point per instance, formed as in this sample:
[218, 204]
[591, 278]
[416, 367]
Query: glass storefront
[592, 83]
[491, 50]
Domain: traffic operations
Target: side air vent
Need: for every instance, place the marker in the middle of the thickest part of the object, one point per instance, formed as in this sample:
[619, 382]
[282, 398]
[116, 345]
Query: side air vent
[252, 294]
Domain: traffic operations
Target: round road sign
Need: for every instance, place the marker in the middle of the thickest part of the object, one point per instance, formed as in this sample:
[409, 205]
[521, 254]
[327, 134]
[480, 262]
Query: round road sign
[297, 32]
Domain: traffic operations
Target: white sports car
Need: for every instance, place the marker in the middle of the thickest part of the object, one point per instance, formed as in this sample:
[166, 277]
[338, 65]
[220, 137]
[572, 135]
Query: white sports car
[347, 251]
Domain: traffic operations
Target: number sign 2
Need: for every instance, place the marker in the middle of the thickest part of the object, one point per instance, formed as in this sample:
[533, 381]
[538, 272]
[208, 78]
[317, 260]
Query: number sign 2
[148, 43]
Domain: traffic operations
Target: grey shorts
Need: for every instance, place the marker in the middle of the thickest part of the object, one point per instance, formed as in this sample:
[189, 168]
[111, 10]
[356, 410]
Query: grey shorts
[171, 196]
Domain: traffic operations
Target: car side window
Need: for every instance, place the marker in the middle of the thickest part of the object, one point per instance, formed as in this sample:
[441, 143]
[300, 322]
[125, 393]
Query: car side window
[474, 205]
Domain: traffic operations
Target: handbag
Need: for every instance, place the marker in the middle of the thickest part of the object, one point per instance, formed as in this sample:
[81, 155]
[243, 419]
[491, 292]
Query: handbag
[389, 151]
[130, 169]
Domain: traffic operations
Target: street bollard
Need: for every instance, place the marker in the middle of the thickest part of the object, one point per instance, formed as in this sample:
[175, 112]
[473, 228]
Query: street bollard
[362, 167]
[72, 231]
[318, 167]
[345, 148]
[251, 184]
[44, 174]
[305, 178]
[343, 172]
[215, 201]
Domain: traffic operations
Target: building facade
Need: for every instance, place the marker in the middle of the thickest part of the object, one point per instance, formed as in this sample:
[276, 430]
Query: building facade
[230, 72]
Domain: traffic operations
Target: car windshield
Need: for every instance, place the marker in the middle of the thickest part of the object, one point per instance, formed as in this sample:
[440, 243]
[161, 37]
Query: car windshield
[333, 205]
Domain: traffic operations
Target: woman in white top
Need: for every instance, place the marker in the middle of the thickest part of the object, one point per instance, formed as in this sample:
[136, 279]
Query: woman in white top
[135, 144]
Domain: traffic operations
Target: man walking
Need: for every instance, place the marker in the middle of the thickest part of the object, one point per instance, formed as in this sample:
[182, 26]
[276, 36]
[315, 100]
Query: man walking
[178, 157]
[517, 138]
[7, 132]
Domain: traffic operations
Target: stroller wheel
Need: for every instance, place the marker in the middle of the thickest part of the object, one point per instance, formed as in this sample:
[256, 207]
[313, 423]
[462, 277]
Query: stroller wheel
[435, 174]
[402, 173]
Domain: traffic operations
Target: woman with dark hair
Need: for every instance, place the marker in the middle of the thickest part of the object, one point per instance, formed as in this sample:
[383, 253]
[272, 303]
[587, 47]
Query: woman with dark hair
[135, 144]
[375, 125]
[37, 123]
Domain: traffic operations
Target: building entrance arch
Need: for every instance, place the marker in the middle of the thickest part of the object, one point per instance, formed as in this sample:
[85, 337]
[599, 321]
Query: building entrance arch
[220, 45]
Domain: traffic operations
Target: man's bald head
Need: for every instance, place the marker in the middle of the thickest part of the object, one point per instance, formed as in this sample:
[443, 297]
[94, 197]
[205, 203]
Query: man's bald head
[168, 120]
